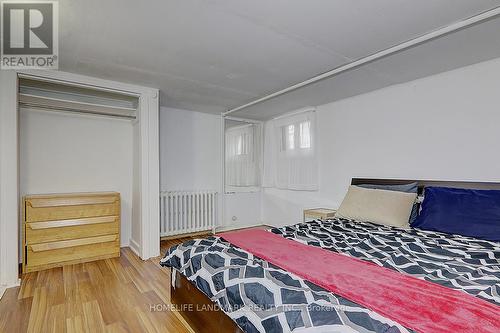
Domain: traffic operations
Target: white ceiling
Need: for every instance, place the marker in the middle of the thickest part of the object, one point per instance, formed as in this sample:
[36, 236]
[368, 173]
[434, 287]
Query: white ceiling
[211, 55]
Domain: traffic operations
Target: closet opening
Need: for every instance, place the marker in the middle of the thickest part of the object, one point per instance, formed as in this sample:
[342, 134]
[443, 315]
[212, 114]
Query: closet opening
[86, 142]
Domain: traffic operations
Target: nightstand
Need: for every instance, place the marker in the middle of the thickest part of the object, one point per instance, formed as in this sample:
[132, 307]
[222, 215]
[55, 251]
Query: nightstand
[318, 213]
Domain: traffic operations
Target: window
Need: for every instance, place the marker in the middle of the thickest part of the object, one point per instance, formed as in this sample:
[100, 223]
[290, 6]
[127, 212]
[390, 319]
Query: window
[305, 134]
[243, 155]
[290, 137]
[241, 148]
[294, 164]
[300, 137]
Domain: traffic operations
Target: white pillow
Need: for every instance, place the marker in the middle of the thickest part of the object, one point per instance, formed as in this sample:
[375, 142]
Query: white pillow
[378, 206]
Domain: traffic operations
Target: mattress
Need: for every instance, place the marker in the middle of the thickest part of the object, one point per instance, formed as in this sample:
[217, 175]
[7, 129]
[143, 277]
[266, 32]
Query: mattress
[261, 297]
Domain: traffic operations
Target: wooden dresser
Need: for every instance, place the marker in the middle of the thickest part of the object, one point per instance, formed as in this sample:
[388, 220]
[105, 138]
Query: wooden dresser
[62, 229]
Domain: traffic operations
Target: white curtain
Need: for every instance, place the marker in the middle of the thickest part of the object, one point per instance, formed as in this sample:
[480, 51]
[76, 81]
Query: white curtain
[290, 152]
[243, 155]
[270, 155]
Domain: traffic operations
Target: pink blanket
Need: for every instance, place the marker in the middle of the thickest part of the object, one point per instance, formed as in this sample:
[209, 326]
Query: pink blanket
[416, 304]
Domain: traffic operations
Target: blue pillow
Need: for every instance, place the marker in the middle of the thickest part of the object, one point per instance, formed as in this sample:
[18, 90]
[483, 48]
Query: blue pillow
[407, 188]
[474, 213]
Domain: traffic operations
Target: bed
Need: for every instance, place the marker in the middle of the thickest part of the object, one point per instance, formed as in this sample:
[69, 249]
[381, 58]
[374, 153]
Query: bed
[253, 295]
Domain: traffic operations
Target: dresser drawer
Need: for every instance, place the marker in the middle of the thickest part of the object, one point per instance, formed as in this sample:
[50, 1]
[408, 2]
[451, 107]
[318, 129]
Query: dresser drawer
[71, 251]
[50, 231]
[38, 209]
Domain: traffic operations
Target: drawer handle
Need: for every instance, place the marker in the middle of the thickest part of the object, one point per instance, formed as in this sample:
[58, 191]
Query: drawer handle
[41, 203]
[72, 243]
[71, 223]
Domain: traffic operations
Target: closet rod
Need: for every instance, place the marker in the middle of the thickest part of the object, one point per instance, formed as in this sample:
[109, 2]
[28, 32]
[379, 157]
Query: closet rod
[76, 84]
[55, 108]
[484, 16]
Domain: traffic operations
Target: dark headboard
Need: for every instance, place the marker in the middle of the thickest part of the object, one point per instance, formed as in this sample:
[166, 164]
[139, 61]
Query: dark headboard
[423, 183]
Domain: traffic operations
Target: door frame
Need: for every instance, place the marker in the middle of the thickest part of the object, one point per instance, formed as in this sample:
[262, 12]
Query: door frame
[145, 233]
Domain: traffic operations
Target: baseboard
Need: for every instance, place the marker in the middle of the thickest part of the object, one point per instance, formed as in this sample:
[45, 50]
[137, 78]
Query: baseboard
[135, 247]
[189, 234]
[282, 224]
[238, 227]
[4, 287]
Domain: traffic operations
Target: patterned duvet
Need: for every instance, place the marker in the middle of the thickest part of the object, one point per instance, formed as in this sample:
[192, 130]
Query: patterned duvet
[261, 297]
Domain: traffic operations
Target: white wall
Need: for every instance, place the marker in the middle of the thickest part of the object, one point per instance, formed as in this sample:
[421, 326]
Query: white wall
[443, 127]
[242, 210]
[190, 151]
[190, 159]
[190, 154]
[62, 153]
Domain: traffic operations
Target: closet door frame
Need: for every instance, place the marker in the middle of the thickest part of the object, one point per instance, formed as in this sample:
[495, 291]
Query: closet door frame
[9, 182]
[145, 221]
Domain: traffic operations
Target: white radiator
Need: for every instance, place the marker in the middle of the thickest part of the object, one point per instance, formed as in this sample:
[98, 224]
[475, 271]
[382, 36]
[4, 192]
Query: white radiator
[184, 212]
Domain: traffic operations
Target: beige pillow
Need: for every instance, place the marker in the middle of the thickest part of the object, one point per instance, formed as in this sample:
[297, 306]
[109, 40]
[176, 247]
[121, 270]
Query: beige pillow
[378, 206]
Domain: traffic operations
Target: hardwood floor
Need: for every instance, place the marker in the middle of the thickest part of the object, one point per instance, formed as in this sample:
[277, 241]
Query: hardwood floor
[111, 295]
